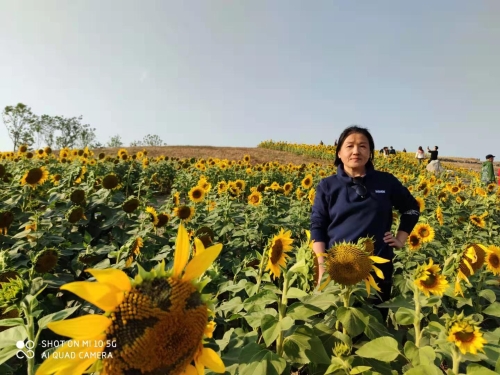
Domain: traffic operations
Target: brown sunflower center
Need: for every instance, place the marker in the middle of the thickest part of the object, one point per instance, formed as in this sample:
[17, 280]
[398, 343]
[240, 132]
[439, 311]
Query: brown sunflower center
[464, 336]
[197, 194]
[34, 176]
[46, 261]
[423, 232]
[162, 220]
[493, 260]
[184, 212]
[254, 198]
[130, 205]
[414, 240]
[110, 181]
[276, 251]
[157, 328]
[77, 196]
[431, 281]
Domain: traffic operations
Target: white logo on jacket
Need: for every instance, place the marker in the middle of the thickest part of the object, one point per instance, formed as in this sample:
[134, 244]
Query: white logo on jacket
[379, 191]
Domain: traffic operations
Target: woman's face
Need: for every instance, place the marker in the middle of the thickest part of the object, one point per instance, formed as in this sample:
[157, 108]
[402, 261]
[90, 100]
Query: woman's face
[355, 151]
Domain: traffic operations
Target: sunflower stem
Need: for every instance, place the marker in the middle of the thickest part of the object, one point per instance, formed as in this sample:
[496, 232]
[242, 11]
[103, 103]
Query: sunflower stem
[261, 270]
[282, 313]
[346, 296]
[457, 358]
[416, 321]
[479, 287]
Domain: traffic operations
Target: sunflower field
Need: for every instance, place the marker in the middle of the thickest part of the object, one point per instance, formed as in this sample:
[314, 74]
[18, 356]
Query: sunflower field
[131, 264]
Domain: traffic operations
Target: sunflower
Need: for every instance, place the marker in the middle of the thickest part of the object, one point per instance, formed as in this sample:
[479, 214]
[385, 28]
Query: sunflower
[299, 194]
[478, 221]
[255, 199]
[153, 213]
[311, 195]
[135, 250]
[185, 213]
[110, 181]
[196, 194]
[425, 232]
[471, 261]
[493, 259]
[428, 279]
[466, 336]
[35, 176]
[164, 331]
[280, 244]
[307, 182]
[480, 191]
[240, 184]
[454, 189]
[176, 198]
[439, 215]
[130, 205]
[421, 204]
[46, 260]
[288, 187]
[246, 158]
[348, 264]
[221, 187]
[77, 196]
[163, 220]
[75, 214]
[204, 184]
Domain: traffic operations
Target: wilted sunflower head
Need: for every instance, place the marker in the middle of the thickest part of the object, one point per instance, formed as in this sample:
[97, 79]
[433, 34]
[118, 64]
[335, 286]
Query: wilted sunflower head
[77, 196]
[196, 194]
[130, 205]
[75, 214]
[46, 260]
[110, 181]
[163, 332]
[184, 212]
[35, 176]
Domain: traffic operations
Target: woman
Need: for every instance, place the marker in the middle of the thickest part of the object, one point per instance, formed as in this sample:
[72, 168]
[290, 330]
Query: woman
[420, 155]
[357, 202]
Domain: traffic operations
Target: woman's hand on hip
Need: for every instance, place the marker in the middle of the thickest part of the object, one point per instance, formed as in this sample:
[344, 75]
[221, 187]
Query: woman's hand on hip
[393, 241]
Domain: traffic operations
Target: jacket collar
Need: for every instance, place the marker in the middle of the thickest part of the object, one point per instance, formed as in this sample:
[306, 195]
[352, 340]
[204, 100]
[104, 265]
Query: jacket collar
[345, 178]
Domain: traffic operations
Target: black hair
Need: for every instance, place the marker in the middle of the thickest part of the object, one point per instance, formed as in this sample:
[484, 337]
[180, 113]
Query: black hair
[420, 148]
[436, 147]
[354, 130]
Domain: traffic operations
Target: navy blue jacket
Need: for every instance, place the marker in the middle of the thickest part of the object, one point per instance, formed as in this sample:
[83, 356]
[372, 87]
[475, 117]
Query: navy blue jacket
[340, 214]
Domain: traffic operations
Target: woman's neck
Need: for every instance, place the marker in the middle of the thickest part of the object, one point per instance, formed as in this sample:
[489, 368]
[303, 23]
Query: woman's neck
[355, 172]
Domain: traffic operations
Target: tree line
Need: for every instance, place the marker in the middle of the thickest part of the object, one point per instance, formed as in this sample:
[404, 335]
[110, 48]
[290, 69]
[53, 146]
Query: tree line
[27, 128]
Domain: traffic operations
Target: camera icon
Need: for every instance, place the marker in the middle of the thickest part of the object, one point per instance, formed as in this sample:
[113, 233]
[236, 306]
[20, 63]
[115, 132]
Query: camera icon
[26, 349]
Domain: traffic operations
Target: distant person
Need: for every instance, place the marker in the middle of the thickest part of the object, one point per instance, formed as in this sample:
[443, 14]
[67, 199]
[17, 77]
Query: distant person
[487, 172]
[381, 151]
[434, 153]
[386, 151]
[404, 149]
[336, 143]
[420, 155]
[321, 143]
[392, 151]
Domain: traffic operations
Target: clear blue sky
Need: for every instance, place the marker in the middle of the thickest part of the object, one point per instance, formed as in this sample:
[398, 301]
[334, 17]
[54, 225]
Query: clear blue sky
[234, 73]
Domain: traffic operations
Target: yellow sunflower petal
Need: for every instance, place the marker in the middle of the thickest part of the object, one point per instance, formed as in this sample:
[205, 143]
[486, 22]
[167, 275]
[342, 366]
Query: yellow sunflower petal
[372, 282]
[198, 246]
[190, 370]
[181, 251]
[377, 259]
[378, 272]
[82, 327]
[199, 264]
[308, 233]
[469, 266]
[367, 284]
[104, 296]
[209, 358]
[113, 276]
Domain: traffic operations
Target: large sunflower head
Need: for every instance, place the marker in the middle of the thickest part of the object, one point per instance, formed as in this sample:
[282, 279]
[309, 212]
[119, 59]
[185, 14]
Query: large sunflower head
[428, 279]
[75, 214]
[110, 181]
[196, 194]
[156, 323]
[465, 334]
[347, 264]
[493, 259]
[425, 232]
[35, 176]
[163, 219]
[280, 245]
